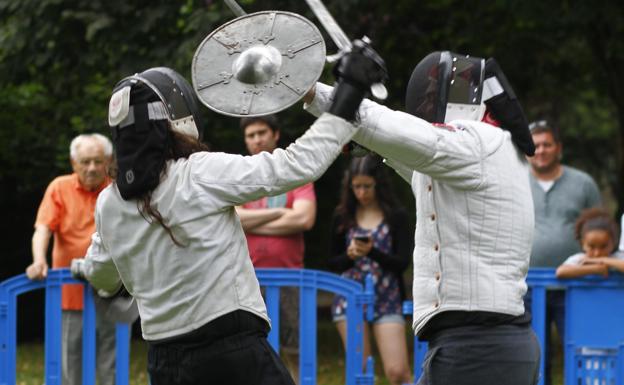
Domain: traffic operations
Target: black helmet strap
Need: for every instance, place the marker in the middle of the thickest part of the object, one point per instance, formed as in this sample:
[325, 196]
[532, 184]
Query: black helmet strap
[506, 108]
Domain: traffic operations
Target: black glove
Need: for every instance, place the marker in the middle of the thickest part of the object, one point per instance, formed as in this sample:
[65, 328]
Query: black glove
[355, 73]
[118, 307]
[121, 292]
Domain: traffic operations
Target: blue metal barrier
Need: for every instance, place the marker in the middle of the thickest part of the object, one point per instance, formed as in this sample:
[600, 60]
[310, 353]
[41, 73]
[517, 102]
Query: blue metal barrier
[309, 282]
[594, 339]
[594, 335]
[13, 287]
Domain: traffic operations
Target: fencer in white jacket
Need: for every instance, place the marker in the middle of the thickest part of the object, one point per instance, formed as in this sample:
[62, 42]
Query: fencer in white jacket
[168, 233]
[462, 149]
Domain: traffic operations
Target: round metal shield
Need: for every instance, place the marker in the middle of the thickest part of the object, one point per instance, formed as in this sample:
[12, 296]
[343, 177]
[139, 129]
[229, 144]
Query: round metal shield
[258, 64]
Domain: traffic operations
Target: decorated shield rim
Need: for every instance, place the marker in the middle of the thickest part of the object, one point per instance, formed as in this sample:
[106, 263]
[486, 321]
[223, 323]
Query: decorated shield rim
[316, 76]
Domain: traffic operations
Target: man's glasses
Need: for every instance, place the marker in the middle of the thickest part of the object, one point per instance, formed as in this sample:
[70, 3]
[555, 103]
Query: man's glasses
[363, 186]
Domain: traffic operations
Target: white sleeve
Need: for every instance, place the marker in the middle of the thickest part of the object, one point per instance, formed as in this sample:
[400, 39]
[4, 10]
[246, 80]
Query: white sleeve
[236, 179]
[451, 156]
[99, 268]
[321, 101]
[401, 169]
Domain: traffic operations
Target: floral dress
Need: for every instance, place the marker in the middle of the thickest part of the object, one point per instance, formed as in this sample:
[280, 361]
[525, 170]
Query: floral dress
[387, 293]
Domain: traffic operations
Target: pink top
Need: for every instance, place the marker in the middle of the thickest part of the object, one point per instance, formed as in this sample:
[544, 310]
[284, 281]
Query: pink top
[279, 250]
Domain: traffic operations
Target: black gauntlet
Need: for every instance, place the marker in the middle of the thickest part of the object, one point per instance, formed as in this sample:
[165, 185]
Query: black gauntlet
[355, 73]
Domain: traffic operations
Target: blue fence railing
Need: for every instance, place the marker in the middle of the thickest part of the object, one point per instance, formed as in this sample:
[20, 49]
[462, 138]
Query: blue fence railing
[309, 282]
[593, 345]
[12, 288]
[594, 323]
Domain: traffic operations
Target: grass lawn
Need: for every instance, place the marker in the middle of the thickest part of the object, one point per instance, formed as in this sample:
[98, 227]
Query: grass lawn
[330, 368]
[331, 362]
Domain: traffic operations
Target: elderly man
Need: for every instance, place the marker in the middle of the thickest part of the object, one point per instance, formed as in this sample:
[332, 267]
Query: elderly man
[67, 212]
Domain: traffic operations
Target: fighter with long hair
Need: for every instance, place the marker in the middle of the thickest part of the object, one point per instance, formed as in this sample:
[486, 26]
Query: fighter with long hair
[168, 233]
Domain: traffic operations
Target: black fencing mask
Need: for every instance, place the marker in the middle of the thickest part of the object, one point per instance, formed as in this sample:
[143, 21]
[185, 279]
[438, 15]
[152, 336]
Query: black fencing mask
[142, 109]
[446, 86]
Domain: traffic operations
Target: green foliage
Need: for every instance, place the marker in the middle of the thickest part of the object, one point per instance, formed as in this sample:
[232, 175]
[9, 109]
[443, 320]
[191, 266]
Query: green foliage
[59, 59]
[25, 153]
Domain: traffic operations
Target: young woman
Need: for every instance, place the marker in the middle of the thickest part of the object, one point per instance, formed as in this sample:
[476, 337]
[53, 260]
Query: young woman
[371, 235]
[167, 231]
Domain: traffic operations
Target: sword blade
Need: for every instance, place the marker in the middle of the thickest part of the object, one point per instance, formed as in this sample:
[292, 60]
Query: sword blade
[235, 8]
[333, 29]
[342, 41]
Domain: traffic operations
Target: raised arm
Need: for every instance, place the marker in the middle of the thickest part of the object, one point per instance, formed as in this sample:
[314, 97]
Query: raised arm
[415, 144]
[236, 179]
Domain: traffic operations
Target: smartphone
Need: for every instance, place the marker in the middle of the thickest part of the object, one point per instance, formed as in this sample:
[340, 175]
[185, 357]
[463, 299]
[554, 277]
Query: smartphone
[362, 238]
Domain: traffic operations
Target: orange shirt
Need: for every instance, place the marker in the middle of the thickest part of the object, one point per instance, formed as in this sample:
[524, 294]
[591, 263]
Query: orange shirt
[68, 210]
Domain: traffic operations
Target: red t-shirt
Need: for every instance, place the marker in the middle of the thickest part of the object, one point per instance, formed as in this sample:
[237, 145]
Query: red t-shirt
[68, 211]
[279, 250]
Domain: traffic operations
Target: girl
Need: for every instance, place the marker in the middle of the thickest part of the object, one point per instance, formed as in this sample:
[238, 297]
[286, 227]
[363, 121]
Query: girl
[597, 232]
[370, 235]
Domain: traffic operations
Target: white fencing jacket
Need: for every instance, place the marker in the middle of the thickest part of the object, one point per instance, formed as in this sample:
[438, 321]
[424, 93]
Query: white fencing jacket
[179, 289]
[474, 208]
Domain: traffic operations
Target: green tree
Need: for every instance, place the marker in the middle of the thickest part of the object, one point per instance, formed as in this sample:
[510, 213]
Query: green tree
[59, 59]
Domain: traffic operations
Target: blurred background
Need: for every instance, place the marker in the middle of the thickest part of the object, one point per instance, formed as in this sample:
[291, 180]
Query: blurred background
[60, 59]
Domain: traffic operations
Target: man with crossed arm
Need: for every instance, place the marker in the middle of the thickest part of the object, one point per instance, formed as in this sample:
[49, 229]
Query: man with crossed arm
[274, 229]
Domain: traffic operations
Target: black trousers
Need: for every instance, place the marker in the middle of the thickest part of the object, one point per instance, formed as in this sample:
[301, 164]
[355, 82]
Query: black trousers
[232, 349]
[482, 355]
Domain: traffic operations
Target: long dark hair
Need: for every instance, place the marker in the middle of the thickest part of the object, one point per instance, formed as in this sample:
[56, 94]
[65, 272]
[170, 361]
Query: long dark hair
[369, 165]
[178, 146]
